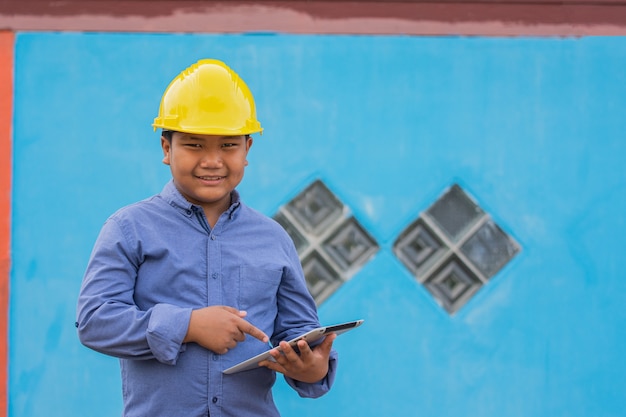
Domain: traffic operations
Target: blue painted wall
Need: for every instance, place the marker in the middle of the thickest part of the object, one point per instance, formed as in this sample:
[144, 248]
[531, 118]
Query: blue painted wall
[532, 128]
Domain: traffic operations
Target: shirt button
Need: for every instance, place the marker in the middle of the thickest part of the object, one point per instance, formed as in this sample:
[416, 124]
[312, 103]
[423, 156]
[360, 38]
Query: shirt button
[214, 275]
[214, 400]
[212, 237]
[215, 357]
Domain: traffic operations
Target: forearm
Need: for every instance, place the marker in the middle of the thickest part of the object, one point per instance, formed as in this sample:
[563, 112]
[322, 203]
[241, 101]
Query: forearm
[123, 331]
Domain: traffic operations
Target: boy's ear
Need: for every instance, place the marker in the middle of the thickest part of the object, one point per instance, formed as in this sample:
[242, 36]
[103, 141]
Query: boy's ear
[167, 147]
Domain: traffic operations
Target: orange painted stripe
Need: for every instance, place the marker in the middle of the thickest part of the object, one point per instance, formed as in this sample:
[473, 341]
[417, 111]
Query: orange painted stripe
[6, 116]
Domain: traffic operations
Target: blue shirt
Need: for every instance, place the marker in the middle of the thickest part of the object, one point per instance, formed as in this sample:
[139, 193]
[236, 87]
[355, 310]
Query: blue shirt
[155, 261]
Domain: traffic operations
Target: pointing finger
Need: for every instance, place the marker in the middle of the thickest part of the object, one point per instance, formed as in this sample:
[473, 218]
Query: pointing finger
[233, 310]
[253, 331]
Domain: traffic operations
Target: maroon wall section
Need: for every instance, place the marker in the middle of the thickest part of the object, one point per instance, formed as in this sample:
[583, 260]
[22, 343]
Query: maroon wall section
[486, 17]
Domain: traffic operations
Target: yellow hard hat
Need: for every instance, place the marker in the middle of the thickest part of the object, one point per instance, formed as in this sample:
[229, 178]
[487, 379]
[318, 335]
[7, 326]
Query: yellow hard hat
[208, 98]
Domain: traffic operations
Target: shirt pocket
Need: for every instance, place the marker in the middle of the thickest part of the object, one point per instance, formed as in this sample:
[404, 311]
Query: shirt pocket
[258, 288]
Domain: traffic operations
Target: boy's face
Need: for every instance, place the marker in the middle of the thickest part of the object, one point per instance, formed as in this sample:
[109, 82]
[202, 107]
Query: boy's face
[206, 168]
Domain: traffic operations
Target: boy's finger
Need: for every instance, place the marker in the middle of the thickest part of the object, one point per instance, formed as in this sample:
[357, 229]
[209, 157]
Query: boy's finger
[248, 328]
[304, 349]
[288, 352]
[327, 343]
[232, 310]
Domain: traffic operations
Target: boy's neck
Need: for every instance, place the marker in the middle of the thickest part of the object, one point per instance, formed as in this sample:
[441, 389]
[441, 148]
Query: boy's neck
[213, 212]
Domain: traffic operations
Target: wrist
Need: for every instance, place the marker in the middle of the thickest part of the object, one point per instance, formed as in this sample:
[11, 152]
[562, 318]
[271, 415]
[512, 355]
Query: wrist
[189, 335]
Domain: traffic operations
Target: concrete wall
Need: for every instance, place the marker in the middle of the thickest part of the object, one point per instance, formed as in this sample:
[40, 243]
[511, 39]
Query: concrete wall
[531, 127]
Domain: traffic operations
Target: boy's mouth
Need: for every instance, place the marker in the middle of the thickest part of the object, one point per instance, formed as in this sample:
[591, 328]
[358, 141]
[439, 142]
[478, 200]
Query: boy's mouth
[211, 178]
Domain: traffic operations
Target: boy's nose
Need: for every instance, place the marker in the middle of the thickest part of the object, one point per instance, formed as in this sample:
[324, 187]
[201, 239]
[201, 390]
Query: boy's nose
[211, 160]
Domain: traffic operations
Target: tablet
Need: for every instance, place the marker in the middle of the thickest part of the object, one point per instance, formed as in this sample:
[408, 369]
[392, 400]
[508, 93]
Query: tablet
[310, 337]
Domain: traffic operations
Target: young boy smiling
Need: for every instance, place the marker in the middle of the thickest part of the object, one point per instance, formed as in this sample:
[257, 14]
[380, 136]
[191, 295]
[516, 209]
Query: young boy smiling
[191, 281]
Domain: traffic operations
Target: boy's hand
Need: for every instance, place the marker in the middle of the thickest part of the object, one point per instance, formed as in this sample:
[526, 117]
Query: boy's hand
[311, 365]
[219, 328]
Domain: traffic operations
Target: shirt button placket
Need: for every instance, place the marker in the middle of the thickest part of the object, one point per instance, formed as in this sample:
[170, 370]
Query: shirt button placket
[214, 388]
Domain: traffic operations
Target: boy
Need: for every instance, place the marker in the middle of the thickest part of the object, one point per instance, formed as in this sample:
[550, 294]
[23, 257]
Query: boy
[191, 281]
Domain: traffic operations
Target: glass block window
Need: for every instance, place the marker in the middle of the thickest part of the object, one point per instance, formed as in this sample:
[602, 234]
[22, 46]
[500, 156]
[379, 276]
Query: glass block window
[454, 213]
[454, 248]
[331, 243]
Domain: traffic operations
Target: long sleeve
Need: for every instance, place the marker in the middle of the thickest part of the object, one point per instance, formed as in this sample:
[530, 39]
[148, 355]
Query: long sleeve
[109, 321]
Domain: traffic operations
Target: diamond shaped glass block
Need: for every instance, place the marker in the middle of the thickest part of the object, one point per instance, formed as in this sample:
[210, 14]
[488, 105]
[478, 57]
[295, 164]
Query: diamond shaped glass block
[489, 248]
[455, 212]
[332, 244]
[454, 248]
[417, 247]
[453, 284]
[350, 246]
[315, 208]
[321, 278]
[298, 239]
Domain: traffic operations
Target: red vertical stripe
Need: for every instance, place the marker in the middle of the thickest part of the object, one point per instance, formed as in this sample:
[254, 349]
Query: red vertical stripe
[6, 113]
